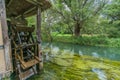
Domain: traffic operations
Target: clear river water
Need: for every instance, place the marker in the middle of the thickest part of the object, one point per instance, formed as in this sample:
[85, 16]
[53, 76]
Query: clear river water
[101, 52]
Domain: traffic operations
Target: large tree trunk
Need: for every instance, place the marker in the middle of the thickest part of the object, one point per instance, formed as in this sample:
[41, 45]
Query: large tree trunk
[77, 29]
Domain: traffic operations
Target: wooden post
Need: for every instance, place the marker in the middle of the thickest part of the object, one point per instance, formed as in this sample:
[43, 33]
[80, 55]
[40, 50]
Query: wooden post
[6, 41]
[38, 24]
[38, 32]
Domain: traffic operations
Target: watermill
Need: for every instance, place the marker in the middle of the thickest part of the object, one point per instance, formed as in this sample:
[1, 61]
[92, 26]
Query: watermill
[20, 52]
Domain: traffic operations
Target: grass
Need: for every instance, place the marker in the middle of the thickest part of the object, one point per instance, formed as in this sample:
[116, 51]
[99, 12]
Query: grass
[87, 40]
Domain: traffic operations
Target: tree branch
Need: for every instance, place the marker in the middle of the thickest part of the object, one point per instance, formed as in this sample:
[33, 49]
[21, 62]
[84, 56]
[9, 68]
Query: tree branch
[84, 3]
[98, 9]
[68, 3]
[59, 12]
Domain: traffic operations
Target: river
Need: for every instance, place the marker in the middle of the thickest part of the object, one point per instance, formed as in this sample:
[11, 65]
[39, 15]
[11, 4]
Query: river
[75, 62]
[102, 52]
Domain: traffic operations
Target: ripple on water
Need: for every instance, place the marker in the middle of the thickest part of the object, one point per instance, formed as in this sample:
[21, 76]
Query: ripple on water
[95, 54]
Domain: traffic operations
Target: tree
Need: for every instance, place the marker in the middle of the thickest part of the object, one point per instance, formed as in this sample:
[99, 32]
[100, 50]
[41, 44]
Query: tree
[78, 11]
[112, 12]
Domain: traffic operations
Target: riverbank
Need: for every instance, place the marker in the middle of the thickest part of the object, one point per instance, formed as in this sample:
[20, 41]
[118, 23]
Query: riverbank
[85, 40]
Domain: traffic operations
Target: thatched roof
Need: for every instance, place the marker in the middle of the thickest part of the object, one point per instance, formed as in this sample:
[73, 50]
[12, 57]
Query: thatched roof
[25, 7]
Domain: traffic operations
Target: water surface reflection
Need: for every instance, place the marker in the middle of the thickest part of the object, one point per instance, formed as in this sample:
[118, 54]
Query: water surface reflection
[110, 53]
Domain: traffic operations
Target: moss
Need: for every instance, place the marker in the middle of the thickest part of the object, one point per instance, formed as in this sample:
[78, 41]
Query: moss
[65, 66]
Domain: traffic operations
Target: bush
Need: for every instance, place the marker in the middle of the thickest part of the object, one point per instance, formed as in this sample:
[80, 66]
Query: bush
[87, 40]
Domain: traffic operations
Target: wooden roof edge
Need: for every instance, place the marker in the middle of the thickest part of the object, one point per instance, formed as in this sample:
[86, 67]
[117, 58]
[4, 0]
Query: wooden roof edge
[36, 2]
[31, 11]
[44, 4]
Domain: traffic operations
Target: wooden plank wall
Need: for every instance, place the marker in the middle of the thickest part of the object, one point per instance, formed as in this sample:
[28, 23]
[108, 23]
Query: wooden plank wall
[5, 52]
[2, 58]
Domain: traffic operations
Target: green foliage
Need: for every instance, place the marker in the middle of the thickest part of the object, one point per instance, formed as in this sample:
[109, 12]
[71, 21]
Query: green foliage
[113, 10]
[31, 21]
[114, 33]
[88, 40]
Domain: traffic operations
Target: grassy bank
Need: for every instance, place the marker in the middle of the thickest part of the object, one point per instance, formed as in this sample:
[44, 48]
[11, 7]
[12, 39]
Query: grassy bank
[85, 40]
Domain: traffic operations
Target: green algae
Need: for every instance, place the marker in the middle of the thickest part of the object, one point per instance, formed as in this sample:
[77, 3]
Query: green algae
[64, 66]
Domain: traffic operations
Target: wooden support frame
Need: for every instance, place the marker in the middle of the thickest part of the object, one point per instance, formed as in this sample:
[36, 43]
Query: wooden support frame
[34, 2]
[6, 41]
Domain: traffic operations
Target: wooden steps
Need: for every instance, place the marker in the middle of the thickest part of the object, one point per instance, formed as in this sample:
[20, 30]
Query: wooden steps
[25, 29]
[29, 64]
[27, 74]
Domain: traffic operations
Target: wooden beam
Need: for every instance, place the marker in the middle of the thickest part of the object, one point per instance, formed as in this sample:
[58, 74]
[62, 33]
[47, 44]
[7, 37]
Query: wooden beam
[28, 11]
[9, 3]
[31, 1]
[34, 2]
[6, 40]
[38, 32]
